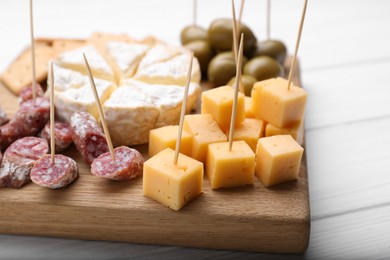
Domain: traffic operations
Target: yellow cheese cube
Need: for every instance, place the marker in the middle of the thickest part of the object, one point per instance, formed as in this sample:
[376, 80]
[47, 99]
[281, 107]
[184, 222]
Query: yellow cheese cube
[173, 185]
[204, 130]
[278, 159]
[295, 130]
[249, 131]
[165, 137]
[276, 104]
[219, 103]
[248, 108]
[226, 169]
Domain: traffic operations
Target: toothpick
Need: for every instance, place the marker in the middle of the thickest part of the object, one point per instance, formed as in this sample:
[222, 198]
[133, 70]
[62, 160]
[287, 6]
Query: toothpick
[268, 15]
[52, 134]
[34, 79]
[240, 15]
[183, 111]
[100, 109]
[236, 83]
[194, 11]
[235, 40]
[297, 45]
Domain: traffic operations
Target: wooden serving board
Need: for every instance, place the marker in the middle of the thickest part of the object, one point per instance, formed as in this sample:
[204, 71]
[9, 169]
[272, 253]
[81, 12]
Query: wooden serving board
[275, 220]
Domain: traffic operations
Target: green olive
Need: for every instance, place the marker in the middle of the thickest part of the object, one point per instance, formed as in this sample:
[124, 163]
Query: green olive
[222, 68]
[263, 67]
[272, 48]
[193, 33]
[220, 36]
[247, 81]
[202, 51]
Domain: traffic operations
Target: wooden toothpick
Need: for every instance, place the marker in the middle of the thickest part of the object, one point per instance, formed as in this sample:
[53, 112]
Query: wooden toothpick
[297, 45]
[268, 17]
[235, 41]
[194, 11]
[183, 110]
[34, 79]
[240, 15]
[100, 109]
[236, 83]
[52, 134]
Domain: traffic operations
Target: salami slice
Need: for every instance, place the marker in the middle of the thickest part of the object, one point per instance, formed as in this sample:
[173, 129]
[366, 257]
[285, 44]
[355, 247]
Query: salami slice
[3, 117]
[128, 164]
[27, 93]
[28, 121]
[58, 175]
[62, 135]
[87, 136]
[18, 160]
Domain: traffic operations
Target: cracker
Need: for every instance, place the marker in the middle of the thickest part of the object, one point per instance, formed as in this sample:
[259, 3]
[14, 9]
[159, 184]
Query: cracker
[62, 45]
[18, 75]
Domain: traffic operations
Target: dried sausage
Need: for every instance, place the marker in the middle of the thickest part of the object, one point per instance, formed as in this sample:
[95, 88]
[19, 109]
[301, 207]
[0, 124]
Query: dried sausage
[27, 93]
[3, 117]
[62, 135]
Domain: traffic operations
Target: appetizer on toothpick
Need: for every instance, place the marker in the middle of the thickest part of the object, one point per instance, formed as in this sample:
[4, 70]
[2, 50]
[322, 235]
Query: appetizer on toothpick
[172, 178]
[120, 164]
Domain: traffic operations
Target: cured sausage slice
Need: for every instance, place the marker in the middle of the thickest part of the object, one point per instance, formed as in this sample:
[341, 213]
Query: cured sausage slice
[18, 160]
[27, 93]
[87, 136]
[128, 164]
[62, 135]
[55, 175]
[28, 121]
[3, 117]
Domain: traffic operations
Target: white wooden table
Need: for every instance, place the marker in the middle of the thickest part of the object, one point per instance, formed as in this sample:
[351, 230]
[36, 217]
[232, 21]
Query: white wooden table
[345, 62]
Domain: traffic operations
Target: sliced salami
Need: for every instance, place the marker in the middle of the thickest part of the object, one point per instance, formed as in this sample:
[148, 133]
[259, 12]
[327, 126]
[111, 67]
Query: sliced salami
[62, 135]
[87, 136]
[18, 160]
[55, 175]
[28, 121]
[3, 117]
[27, 93]
[128, 164]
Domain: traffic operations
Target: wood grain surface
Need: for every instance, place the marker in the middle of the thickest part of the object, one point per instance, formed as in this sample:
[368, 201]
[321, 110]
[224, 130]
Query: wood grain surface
[249, 218]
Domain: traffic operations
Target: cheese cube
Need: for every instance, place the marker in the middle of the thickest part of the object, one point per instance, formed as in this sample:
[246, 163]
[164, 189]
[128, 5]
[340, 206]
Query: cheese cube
[278, 159]
[165, 137]
[204, 130]
[295, 130]
[219, 103]
[226, 169]
[248, 107]
[173, 185]
[249, 131]
[276, 104]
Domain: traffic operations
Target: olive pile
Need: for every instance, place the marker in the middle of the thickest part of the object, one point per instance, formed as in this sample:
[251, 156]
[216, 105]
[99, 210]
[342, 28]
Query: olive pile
[213, 48]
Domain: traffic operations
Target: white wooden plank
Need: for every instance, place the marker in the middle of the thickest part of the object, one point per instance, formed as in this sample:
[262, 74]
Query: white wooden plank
[348, 167]
[360, 235]
[349, 94]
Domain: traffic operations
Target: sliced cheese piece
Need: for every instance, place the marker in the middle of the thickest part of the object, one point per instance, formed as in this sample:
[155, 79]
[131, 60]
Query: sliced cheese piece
[226, 169]
[165, 137]
[173, 185]
[173, 71]
[274, 103]
[67, 79]
[74, 60]
[250, 130]
[124, 57]
[204, 130]
[74, 100]
[130, 115]
[167, 98]
[278, 159]
[219, 103]
[159, 53]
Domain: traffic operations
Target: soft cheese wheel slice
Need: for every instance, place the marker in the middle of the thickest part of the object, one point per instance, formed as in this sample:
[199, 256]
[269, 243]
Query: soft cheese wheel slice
[173, 71]
[130, 115]
[66, 79]
[81, 99]
[124, 57]
[168, 99]
[159, 53]
[74, 60]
